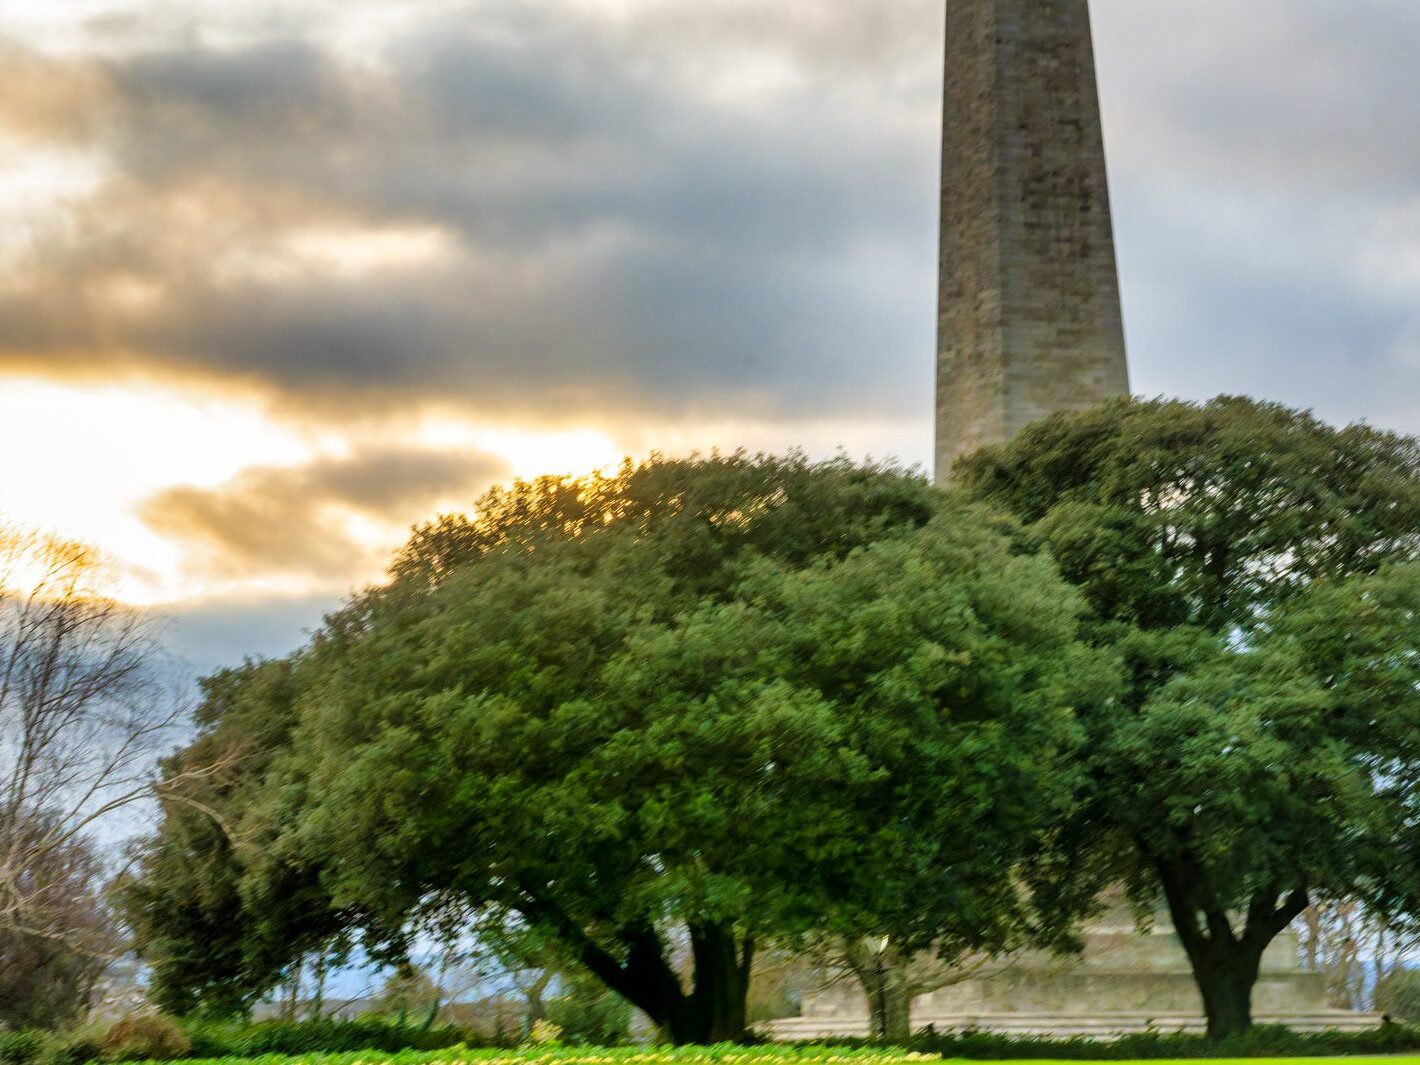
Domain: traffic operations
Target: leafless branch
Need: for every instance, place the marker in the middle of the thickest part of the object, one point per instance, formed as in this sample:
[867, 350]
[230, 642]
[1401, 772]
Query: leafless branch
[86, 710]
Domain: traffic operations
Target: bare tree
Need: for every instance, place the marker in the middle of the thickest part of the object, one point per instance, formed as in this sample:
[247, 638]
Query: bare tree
[1334, 935]
[46, 981]
[1359, 952]
[86, 708]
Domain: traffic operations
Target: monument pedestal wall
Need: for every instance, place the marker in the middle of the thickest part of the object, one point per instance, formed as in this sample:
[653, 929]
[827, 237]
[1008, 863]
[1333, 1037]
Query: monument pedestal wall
[1124, 981]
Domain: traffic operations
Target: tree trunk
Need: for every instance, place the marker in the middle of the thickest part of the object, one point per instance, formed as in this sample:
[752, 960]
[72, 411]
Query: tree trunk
[1226, 986]
[318, 995]
[537, 1005]
[293, 992]
[716, 1011]
[869, 966]
[882, 970]
[897, 1020]
[1225, 963]
[876, 989]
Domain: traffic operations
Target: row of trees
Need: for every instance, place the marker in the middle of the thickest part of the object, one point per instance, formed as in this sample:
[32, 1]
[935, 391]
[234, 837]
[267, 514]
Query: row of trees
[656, 721]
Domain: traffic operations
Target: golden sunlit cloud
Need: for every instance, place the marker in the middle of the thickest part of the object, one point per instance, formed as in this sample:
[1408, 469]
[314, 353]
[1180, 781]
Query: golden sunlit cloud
[528, 453]
[196, 496]
[80, 458]
[337, 254]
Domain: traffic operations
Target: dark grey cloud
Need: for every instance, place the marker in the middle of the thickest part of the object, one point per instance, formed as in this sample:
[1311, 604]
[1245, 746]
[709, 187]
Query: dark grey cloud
[290, 520]
[1287, 94]
[1267, 181]
[691, 208]
[620, 237]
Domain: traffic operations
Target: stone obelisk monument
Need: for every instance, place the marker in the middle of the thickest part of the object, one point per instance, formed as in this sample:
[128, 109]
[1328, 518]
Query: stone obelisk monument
[1029, 317]
[1030, 325]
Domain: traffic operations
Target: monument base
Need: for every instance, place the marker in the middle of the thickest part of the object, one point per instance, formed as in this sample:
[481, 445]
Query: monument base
[1125, 982]
[1101, 1026]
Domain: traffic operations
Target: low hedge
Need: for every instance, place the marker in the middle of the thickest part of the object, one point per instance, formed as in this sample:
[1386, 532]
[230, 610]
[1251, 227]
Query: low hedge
[156, 1038]
[1264, 1041]
[225, 1039]
[48, 1048]
[21, 1048]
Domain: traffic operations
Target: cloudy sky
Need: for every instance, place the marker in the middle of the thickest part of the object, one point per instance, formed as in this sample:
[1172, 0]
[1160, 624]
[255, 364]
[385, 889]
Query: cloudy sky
[278, 279]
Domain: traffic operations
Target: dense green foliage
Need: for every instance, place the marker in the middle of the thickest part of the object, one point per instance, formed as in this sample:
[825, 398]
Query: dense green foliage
[376, 1043]
[222, 938]
[34, 1046]
[653, 720]
[1258, 573]
[688, 707]
[21, 1047]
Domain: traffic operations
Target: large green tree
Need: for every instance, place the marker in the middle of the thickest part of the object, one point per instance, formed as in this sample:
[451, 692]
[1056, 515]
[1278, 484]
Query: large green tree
[1256, 571]
[666, 715]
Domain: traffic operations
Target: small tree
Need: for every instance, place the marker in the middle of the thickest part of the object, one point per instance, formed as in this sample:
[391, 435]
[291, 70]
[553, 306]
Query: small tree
[1256, 572]
[525, 956]
[892, 979]
[410, 995]
[1335, 936]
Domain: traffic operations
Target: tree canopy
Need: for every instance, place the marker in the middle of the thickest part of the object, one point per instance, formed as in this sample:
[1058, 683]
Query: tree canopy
[658, 715]
[1258, 573]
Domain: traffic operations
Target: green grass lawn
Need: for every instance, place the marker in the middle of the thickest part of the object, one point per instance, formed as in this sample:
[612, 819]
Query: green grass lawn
[558, 1055]
[581, 1055]
[768, 1055]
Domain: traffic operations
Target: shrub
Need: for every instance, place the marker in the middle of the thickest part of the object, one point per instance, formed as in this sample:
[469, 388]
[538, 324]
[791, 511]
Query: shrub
[32, 1046]
[216, 1039]
[1399, 995]
[36, 1047]
[145, 1037]
[586, 1013]
[21, 1048]
[70, 1048]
